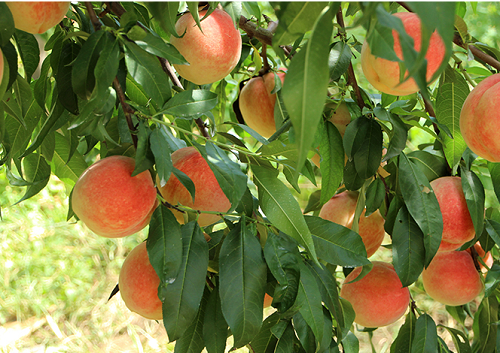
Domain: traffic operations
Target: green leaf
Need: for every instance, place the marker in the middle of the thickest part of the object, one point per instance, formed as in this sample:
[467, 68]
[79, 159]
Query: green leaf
[61, 167]
[425, 339]
[231, 179]
[305, 88]
[166, 14]
[192, 339]
[37, 173]
[375, 195]
[494, 169]
[450, 98]
[281, 208]
[492, 280]
[165, 249]
[363, 144]
[295, 19]
[183, 296]
[332, 160]
[243, 275]
[398, 135]
[154, 44]
[185, 181]
[485, 330]
[29, 52]
[404, 339]
[339, 60]
[161, 150]
[433, 166]
[350, 343]
[7, 27]
[190, 103]
[422, 205]
[265, 341]
[146, 70]
[144, 158]
[10, 54]
[475, 198]
[215, 329]
[66, 96]
[83, 79]
[304, 333]
[106, 70]
[460, 339]
[337, 244]
[407, 248]
[286, 341]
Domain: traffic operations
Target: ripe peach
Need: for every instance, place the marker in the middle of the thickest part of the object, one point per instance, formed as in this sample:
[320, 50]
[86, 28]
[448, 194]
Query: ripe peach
[451, 278]
[213, 53]
[378, 299]
[384, 74]
[208, 194]
[138, 283]
[110, 201]
[257, 103]
[457, 222]
[37, 16]
[480, 119]
[267, 301]
[340, 209]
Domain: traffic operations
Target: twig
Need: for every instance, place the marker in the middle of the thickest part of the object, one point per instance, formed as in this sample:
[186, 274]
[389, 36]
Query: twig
[265, 36]
[127, 109]
[93, 17]
[351, 77]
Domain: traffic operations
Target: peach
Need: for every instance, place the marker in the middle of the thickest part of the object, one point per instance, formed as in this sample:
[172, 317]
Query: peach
[257, 103]
[208, 194]
[487, 258]
[37, 16]
[384, 74]
[378, 299]
[480, 119]
[138, 283]
[211, 54]
[451, 278]
[110, 201]
[457, 222]
[267, 301]
[340, 209]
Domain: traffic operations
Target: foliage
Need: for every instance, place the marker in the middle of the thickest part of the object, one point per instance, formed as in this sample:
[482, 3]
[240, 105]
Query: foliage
[107, 88]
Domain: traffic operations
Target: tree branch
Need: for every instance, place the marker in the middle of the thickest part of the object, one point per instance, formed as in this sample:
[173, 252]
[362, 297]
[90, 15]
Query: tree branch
[127, 109]
[93, 17]
[265, 36]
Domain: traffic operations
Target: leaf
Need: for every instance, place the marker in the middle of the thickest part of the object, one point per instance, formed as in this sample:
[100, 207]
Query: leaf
[485, 331]
[363, 144]
[407, 247]
[449, 101]
[161, 150]
[433, 166]
[475, 198]
[339, 60]
[337, 244]
[66, 97]
[492, 280]
[422, 205]
[350, 343]
[183, 296]
[106, 70]
[304, 333]
[29, 52]
[61, 167]
[286, 340]
[375, 195]
[332, 160]
[306, 84]
[215, 329]
[37, 172]
[166, 14]
[243, 275]
[190, 103]
[165, 249]
[144, 158]
[425, 339]
[494, 169]
[281, 208]
[7, 26]
[398, 134]
[460, 339]
[295, 19]
[404, 339]
[192, 339]
[265, 341]
[146, 70]
[83, 79]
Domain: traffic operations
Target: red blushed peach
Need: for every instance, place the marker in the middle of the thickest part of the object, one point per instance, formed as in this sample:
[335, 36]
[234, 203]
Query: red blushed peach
[208, 194]
[451, 278]
[139, 283]
[340, 209]
[257, 103]
[211, 54]
[480, 119]
[384, 74]
[267, 301]
[37, 16]
[378, 299]
[110, 201]
[457, 222]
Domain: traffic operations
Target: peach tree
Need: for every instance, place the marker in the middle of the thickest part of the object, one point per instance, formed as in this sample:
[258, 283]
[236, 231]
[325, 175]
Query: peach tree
[111, 81]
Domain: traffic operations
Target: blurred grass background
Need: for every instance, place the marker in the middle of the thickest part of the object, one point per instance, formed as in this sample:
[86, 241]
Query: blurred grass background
[56, 276]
